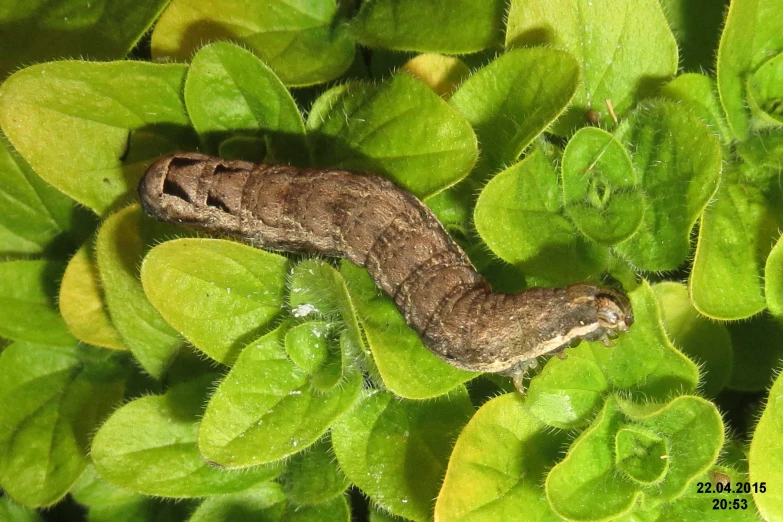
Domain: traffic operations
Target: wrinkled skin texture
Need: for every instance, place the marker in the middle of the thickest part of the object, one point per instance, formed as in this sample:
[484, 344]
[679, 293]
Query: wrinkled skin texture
[369, 221]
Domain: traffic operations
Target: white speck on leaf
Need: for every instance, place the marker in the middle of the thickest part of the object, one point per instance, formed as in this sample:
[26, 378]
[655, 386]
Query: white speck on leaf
[303, 310]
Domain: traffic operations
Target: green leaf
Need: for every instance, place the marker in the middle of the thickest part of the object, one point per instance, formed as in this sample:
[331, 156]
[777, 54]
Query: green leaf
[766, 454]
[601, 192]
[10, 511]
[34, 213]
[700, 93]
[332, 510]
[625, 48]
[28, 311]
[613, 462]
[377, 515]
[406, 366]
[82, 305]
[443, 26]
[734, 239]
[758, 350]
[313, 476]
[230, 92]
[519, 216]
[679, 163]
[149, 446]
[317, 288]
[644, 362]
[108, 503]
[498, 465]
[641, 454]
[765, 90]
[567, 391]
[50, 402]
[303, 41]
[266, 409]
[441, 73]
[122, 241]
[398, 128]
[693, 430]
[514, 99]
[306, 345]
[705, 341]
[263, 503]
[92, 129]
[696, 26]
[38, 30]
[751, 34]
[396, 451]
[773, 280]
[220, 295]
[763, 150]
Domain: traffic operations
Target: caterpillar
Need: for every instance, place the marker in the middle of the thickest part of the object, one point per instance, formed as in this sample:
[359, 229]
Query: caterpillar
[371, 222]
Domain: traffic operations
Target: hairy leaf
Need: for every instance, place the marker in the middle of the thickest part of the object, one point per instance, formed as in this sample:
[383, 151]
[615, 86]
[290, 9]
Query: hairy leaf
[262, 503]
[679, 163]
[267, 408]
[149, 446]
[601, 191]
[632, 451]
[34, 212]
[751, 35]
[706, 342]
[498, 464]
[122, 241]
[51, 399]
[28, 311]
[513, 99]
[442, 26]
[220, 295]
[229, 92]
[396, 451]
[765, 90]
[332, 510]
[700, 93]
[644, 362]
[765, 459]
[313, 476]
[773, 279]
[92, 129]
[303, 41]
[398, 128]
[106, 502]
[38, 30]
[737, 232]
[82, 305]
[625, 48]
[519, 215]
[567, 391]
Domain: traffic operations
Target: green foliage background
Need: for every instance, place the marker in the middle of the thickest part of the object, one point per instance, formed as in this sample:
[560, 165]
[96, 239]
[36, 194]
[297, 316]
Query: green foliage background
[148, 373]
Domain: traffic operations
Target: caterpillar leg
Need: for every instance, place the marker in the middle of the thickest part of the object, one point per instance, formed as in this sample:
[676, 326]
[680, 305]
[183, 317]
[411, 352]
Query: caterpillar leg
[518, 373]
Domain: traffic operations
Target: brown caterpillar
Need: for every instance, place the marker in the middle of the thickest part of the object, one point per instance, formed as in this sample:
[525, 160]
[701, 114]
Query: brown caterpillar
[369, 221]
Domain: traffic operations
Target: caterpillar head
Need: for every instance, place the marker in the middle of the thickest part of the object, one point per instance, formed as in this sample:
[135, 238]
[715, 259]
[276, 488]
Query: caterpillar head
[613, 311]
[610, 310]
